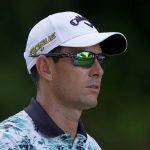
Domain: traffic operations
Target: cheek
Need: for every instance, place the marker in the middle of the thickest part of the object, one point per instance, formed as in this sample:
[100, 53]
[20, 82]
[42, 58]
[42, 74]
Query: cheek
[72, 82]
[70, 79]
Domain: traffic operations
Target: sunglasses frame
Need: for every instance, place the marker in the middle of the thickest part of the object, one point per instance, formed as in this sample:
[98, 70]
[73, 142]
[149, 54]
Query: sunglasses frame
[73, 56]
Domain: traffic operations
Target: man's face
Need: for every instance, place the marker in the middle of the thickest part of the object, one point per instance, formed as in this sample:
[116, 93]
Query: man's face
[77, 87]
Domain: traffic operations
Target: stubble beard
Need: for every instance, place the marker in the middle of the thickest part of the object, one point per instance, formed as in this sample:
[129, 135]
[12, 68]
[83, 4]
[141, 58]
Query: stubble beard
[87, 102]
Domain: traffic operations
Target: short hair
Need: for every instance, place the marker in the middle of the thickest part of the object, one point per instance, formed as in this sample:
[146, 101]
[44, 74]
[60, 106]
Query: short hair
[34, 72]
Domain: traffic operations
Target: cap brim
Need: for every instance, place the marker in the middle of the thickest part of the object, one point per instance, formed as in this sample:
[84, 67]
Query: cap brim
[110, 42]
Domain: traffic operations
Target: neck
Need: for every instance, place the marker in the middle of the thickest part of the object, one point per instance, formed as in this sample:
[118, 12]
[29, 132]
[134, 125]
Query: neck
[66, 118]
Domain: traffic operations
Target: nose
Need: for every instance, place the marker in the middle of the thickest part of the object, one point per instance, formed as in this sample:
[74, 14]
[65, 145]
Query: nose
[96, 70]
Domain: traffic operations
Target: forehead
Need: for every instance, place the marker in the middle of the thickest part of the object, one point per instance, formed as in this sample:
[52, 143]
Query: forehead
[95, 49]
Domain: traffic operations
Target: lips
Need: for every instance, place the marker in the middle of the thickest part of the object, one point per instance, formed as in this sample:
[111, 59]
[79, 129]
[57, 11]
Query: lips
[93, 86]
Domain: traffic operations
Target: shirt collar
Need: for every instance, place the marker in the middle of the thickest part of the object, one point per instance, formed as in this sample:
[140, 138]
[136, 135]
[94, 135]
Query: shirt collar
[44, 122]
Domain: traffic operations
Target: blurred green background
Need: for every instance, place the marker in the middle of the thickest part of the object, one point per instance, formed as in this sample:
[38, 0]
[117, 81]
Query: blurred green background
[121, 120]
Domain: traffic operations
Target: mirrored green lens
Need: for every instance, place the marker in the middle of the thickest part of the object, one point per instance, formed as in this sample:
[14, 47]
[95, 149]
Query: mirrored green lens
[101, 59]
[84, 59]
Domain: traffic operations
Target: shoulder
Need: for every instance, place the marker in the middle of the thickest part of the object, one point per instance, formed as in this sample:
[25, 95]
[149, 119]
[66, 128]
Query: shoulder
[18, 122]
[15, 130]
[91, 141]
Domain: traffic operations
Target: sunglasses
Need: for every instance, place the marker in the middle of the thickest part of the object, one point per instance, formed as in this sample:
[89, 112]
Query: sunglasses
[80, 58]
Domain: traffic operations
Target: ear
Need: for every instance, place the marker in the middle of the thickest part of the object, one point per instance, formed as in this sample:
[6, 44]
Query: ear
[44, 68]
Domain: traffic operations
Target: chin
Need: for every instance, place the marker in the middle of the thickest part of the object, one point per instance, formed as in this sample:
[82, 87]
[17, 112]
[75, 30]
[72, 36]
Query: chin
[89, 102]
[91, 105]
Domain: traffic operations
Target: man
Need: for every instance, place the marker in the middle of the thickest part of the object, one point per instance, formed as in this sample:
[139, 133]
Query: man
[65, 56]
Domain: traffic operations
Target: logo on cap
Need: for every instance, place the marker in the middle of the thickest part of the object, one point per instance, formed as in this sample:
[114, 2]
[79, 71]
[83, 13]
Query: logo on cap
[78, 19]
[42, 43]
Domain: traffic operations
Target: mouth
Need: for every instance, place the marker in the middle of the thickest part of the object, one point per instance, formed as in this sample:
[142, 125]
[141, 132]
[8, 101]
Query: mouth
[94, 87]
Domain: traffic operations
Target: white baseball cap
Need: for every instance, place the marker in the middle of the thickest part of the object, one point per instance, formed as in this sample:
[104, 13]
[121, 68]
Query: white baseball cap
[69, 29]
